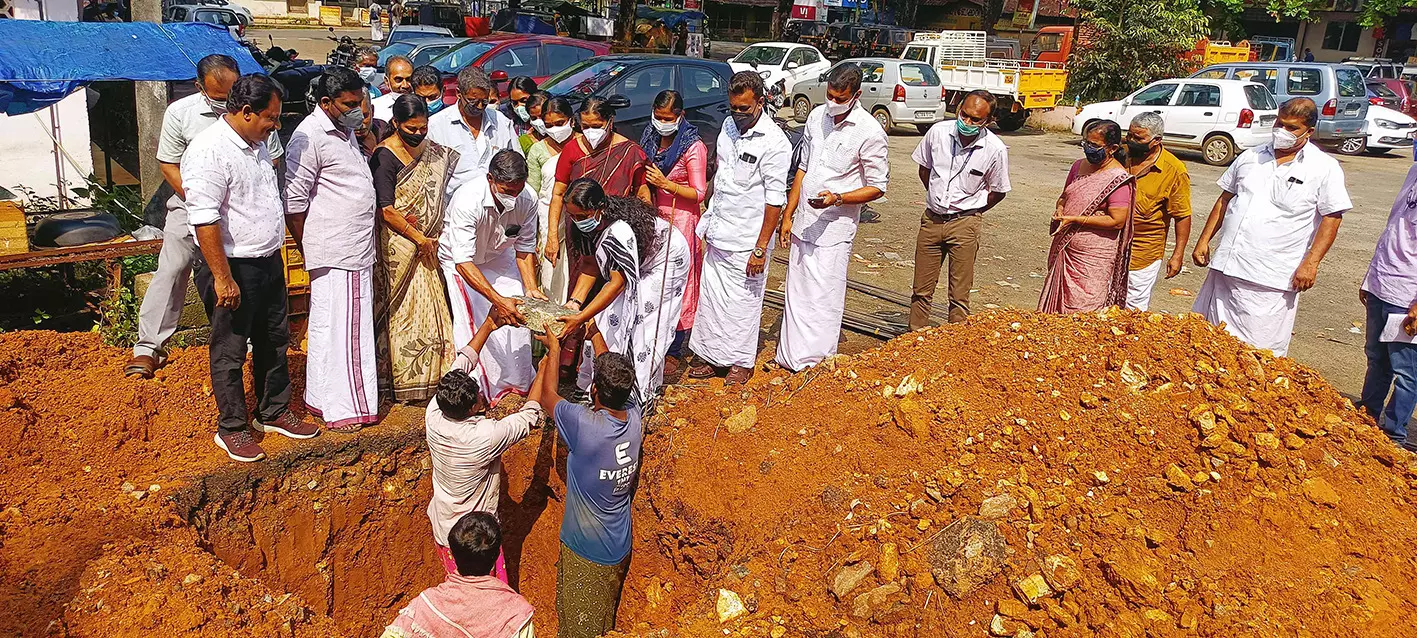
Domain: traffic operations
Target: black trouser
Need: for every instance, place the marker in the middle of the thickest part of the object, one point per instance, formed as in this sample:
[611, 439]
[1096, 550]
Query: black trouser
[259, 319]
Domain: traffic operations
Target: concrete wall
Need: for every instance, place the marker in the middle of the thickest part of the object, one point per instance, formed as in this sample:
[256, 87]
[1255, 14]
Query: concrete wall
[27, 152]
[279, 9]
[1311, 36]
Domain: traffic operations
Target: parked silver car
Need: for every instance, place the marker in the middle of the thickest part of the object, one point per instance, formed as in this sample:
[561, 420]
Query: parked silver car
[1337, 89]
[895, 92]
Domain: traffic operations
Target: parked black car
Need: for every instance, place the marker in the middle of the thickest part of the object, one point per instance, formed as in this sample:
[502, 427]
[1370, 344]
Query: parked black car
[631, 82]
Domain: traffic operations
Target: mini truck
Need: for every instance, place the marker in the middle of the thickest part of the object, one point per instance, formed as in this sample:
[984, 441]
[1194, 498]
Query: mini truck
[961, 59]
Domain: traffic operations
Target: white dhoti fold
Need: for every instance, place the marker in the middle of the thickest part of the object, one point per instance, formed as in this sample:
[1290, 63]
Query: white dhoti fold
[341, 375]
[730, 309]
[816, 300]
[505, 362]
[616, 324]
[1258, 315]
[661, 292]
[1140, 282]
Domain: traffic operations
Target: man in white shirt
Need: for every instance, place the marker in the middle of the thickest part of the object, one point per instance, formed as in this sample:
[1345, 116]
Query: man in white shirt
[750, 189]
[234, 207]
[488, 256]
[1278, 213]
[167, 293]
[329, 206]
[844, 167]
[473, 129]
[965, 170]
[398, 72]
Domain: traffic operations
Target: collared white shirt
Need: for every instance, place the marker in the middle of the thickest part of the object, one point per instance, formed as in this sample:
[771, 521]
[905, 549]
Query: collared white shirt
[384, 106]
[839, 158]
[447, 127]
[962, 176]
[752, 174]
[1272, 220]
[182, 122]
[328, 179]
[475, 231]
[232, 183]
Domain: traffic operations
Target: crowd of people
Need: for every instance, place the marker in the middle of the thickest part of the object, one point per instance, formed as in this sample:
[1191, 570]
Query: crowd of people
[425, 227]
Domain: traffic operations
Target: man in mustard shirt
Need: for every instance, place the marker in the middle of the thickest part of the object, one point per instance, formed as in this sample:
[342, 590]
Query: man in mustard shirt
[1163, 198]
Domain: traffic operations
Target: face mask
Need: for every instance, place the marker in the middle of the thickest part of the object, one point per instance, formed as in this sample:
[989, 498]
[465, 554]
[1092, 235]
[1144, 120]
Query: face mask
[967, 130]
[1284, 140]
[508, 202]
[434, 105]
[744, 121]
[1095, 155]
[666, 128]
[559, 133]
[352, 119]
[835, 110]
[594, 136]
[587, 225]
[1138, 150]
[521, 112]
[366, 73]
[411, 139]
[217, 106]
[472, 112]
[538, 126]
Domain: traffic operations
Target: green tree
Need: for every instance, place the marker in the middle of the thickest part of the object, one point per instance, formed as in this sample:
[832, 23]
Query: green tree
[1129, 43]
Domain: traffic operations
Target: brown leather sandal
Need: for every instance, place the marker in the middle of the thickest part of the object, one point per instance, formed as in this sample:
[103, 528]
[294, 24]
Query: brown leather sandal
[142, 366]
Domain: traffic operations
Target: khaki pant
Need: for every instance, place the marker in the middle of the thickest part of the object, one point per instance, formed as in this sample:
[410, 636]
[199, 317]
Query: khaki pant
[958, 238]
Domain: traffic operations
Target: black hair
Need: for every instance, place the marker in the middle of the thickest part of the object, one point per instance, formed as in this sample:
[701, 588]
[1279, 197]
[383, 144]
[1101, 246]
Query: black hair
[336, 80]
[1301, 107]
[640, 217]
[560, 106]
[507, 166]
[475, 541]
[409, 106]
[458, 394]
[670, 99]
[614, 380]
[521, 83]
[845, 76]
[1111, 134]
[985, 95]
[216, 62]
[426, 76]
[538, 100]
[747, 81]
[586, 194]
[254, 90]
[599, 106]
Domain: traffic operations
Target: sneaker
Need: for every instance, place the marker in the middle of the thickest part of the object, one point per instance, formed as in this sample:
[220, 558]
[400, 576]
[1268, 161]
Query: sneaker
[288, 424]
[738, 375]
[239, 446]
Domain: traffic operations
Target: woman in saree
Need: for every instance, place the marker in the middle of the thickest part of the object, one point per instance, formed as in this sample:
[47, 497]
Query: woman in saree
[1092, 228]
[412, 319]
[536, 130]
[555, 120]
[678, 179]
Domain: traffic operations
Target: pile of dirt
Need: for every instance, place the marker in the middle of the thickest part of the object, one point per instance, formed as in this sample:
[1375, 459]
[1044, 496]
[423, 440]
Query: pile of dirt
[1114, 474]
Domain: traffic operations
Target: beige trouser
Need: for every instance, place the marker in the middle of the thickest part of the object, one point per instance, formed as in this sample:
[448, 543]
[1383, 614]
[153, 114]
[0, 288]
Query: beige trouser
[957, 237]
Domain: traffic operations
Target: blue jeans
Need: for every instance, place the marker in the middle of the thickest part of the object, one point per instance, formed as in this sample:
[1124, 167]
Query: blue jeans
[1389, 362]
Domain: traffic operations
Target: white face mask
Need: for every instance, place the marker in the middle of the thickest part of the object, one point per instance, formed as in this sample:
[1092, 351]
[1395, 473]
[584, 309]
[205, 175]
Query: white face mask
[1284, 140]
[559, 133]
[595, 136]
[508, 202]
[835, 110]
[538, 126]
[666, 128]
[366, 73]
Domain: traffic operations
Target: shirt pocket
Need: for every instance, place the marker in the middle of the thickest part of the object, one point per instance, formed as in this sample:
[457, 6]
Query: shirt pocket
[743, 171]
[1296, 193]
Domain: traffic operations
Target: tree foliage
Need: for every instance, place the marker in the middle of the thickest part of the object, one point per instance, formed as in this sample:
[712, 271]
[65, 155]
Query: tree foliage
[1130, 43]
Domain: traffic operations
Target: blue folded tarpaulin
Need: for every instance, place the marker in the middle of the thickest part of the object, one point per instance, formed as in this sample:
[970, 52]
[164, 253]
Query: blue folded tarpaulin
[41, 62]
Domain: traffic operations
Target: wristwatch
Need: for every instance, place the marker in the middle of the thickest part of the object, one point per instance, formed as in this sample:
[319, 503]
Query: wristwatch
[759, 252]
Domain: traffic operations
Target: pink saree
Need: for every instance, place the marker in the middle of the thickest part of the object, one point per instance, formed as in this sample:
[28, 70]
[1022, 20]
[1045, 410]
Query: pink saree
[1087, 267]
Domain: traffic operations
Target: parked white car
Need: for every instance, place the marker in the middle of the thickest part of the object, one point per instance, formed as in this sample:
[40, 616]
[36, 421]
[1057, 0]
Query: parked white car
[1387, 130]
[895, 92]
[1219, 118]
[786, 61]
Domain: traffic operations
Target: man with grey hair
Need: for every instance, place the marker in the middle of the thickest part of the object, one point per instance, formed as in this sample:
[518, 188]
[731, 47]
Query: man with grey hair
[398, 73]
[1163, 198]
[472, 129]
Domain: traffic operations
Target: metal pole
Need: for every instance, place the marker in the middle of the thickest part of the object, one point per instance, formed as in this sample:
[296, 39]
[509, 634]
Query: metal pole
[150, 99]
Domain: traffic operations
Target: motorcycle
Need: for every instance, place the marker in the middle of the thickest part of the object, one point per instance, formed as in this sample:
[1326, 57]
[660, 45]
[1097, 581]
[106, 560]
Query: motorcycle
[296, 76]
[343, 53]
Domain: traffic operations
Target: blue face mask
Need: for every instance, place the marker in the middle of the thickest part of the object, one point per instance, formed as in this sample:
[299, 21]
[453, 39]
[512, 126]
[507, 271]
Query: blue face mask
[435, 105]
[588, 225]
[1095, 155]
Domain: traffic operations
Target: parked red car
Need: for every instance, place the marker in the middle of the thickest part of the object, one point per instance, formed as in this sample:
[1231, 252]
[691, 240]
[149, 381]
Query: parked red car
[1406, 93]
[508, 55]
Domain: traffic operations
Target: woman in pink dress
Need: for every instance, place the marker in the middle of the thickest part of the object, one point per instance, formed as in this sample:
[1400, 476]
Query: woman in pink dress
[678, 176]
[1092, 228]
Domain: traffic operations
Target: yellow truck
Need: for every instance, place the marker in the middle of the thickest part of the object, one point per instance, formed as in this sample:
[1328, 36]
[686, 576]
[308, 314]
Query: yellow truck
[960, 58]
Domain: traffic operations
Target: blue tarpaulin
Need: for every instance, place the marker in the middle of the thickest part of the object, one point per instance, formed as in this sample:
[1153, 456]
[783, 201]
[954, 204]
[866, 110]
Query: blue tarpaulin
[41, 62]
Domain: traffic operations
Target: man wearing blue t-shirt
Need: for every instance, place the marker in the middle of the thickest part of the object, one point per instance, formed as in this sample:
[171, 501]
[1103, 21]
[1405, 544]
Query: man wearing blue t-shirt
[601, 470]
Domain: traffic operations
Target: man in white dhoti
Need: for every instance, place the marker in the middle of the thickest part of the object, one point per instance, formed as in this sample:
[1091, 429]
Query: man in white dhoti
[329, 205]
[1277, 215]
[488, 255]
[750, 189]
[845, 167]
